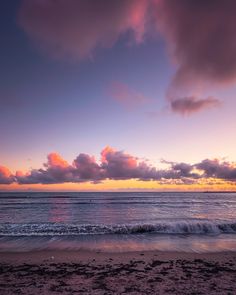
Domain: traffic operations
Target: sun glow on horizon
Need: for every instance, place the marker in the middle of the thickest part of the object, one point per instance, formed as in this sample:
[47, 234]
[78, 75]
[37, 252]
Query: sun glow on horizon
[123, 185]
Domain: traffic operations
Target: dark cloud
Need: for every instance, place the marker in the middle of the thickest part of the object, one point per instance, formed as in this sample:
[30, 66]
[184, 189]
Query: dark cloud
[75, 28]
[181, 171]
[35, 176]
[201, 38]
[183, 168]
[216, 169]
[189, 105]
[86, 168]
[200, 35]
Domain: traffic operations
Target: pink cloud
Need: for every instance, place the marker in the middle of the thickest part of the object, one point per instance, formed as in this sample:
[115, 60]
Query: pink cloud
[55, 160]
[5, 176]
[75, 28]
[57, 171]
[118, 165]
[125, 95]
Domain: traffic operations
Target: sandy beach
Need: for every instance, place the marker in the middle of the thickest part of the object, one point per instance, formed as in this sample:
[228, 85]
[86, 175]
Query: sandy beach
[84, 272]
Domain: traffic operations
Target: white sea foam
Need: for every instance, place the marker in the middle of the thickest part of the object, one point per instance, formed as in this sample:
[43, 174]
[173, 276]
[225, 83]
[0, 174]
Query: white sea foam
[177, 227]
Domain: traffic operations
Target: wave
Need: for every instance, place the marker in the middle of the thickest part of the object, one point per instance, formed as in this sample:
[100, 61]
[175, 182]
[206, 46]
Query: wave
[180, 227]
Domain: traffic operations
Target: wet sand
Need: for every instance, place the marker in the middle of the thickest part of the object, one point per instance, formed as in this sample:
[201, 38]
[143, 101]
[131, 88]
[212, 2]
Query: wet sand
[83, 272]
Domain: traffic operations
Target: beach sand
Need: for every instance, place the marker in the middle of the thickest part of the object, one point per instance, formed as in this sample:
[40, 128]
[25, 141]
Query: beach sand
[84, 272]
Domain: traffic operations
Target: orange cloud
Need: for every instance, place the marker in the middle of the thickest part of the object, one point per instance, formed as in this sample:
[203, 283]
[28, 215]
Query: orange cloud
[5, 176]
[56, 160]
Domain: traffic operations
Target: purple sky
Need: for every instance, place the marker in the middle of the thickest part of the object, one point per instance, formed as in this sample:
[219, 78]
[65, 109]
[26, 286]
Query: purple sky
[153, 78]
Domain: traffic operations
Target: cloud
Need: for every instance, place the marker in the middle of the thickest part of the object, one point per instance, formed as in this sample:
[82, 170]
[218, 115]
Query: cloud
[216, 169]
[86, 168]
[55, 160]
[189, 105]
[5, 176]
[119, 165]
[75, 28]
[201, 38]
[125, 95]
[57, 171]
[183, 168]
[200, 33]
[34, 176]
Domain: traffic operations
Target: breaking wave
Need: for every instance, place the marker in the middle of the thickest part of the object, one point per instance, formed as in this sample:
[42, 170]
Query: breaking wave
[180, 227]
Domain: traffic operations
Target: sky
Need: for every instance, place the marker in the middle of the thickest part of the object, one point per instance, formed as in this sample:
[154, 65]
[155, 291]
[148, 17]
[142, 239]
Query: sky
[117, 95]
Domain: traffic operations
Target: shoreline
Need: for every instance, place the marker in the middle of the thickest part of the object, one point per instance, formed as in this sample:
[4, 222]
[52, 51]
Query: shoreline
[58, 256]
[94, 272]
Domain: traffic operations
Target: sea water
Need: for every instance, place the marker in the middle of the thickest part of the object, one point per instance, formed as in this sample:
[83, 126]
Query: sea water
[124, 221]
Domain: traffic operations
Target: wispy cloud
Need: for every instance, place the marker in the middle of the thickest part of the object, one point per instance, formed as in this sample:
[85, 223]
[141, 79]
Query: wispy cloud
[189, 105]
[125, 95]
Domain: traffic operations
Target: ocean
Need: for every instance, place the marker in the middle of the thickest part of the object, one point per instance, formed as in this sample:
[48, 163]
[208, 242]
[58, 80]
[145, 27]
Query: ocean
[118, 221]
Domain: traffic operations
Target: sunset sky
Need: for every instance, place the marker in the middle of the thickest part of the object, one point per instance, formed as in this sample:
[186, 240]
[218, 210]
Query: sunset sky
[118, 95]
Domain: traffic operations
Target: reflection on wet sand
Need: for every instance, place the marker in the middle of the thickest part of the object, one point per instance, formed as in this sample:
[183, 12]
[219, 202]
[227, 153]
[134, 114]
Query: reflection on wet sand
[121, 243]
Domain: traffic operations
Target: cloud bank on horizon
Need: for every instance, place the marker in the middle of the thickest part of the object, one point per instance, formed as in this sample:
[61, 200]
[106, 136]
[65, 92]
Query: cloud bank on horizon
[200, 36]
[118, 165]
